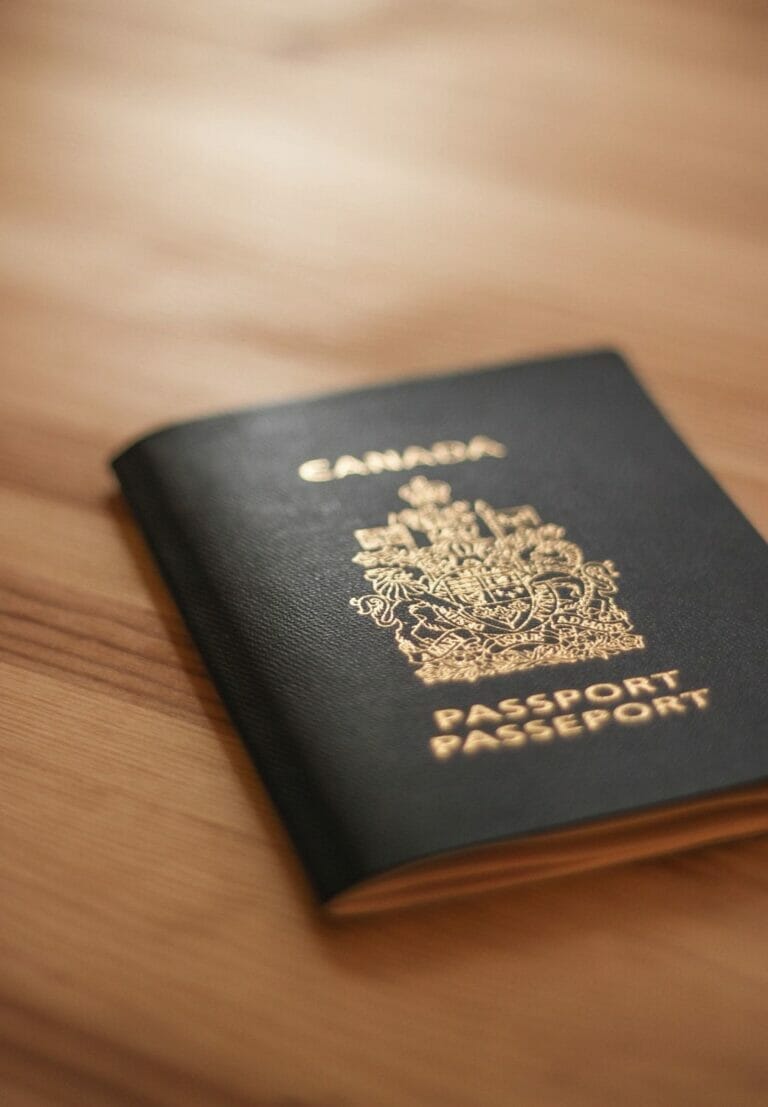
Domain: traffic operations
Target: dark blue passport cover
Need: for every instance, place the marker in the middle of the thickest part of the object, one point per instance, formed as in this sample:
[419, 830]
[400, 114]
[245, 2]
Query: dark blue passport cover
[418, 602]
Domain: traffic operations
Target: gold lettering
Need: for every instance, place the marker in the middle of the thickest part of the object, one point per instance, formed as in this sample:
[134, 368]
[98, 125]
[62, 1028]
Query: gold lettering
[348, 466]
[479, 740]
[415, 455]
[510, 735]
[666, 704]
[566, 697]
[700, 697]
[604, 693]
[538, 730]
[513, 709]
[480, 446]
[448, 453]
[540, 705]
[388, 460]
[481, 714]
[444, 745]
[670, 678]
[517, 727]
[640, 686]
[317, 469]
[633, 713]
[448, 718]
[567, 726]
[596, 718]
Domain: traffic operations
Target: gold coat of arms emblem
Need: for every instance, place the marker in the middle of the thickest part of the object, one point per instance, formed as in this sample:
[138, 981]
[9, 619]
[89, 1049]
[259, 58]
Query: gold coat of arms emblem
[472, 591]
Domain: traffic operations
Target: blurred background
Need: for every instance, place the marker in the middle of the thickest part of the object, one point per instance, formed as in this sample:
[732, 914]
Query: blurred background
[211, 204]
[207, 204]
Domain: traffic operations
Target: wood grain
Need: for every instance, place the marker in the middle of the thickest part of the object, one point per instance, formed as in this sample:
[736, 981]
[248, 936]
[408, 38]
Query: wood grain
[204, 205]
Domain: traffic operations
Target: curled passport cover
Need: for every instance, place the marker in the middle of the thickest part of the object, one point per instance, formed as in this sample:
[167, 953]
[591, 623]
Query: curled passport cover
[474, 629]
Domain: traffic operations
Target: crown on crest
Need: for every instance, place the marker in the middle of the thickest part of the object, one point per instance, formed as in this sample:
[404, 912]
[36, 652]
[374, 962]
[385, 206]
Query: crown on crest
[419, 492]
[493, 591]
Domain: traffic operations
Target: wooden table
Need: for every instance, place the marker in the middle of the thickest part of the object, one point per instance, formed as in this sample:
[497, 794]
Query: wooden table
[212, 204]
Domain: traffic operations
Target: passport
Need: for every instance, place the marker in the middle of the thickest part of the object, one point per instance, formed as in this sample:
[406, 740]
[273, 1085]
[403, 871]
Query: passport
[475, 629]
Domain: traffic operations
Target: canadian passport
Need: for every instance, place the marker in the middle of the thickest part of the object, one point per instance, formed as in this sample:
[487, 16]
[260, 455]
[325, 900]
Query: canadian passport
[474, 630]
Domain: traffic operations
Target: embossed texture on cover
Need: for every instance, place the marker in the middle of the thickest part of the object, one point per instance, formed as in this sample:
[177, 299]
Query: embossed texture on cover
[464, 610]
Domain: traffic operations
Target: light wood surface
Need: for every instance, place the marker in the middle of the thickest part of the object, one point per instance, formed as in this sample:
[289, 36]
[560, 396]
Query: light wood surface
[209, 204]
